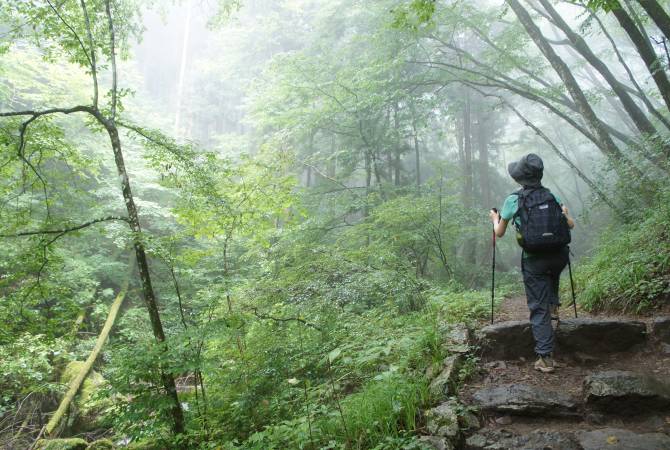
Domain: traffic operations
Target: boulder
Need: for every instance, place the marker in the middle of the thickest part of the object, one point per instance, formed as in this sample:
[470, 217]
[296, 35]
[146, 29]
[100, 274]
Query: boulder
[441, 386]
[61, 444]
[616, 439]
[625, 393]
[598, 336]
[535, 440]
[457, 339]
[525, 400]
[660, 329]
[436, 442]
[507, 340]
[442, 420]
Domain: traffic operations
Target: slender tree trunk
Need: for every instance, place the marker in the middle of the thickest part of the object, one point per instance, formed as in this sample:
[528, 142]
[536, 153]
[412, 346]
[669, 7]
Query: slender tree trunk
[483, 147]
[143, 267]
[646, 52]
[638, 91]
[640, 120]
[658, 15]
[563, 71]
[182, 68]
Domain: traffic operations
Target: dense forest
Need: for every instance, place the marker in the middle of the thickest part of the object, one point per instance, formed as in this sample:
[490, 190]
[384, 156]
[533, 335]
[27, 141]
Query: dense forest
[250, 224]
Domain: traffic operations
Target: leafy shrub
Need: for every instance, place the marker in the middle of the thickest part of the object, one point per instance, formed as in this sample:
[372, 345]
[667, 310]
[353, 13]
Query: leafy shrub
[631, 269]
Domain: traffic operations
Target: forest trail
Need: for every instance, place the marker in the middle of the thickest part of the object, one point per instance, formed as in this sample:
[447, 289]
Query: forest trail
[610, 391]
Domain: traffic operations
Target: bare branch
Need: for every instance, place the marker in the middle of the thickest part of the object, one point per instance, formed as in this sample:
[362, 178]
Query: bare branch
[63, 231]
[255, 312]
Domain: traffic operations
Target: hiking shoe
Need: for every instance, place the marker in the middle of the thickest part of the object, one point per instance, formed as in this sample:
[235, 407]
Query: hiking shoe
[554, 312]
[544, 364]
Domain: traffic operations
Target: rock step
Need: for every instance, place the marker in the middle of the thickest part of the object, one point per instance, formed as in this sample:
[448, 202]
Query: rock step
[514, 339]
[626, 393]
[603, 439]
[525, 400]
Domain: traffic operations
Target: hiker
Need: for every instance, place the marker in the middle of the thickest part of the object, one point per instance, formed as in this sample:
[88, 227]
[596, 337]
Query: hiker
[543, 231]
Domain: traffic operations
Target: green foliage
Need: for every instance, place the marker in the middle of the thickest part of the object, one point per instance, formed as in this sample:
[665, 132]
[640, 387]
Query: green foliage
[630, 271]
[62, 444]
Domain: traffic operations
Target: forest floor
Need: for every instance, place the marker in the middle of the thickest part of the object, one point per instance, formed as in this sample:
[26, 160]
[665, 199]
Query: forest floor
[569, 378]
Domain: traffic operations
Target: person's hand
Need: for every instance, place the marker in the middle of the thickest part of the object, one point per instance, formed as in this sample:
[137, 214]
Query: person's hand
[565, 210]
[494, 215]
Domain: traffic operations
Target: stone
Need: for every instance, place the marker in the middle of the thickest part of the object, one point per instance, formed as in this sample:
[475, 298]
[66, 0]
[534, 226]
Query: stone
[443, 420]
[660, 329]
[507, 340]
[524, 400]
[436, 442]
[535, 440]
[61, 444]
[457, 339]
[597, 336]
[441, 386]
[504, 420]
[616, 439]
[625, 393]
[469, 421]
[665, 348]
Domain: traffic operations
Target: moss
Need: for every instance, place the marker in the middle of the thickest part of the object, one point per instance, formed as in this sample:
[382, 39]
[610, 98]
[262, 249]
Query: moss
[89, 408]
[102, 444]
[62, 444]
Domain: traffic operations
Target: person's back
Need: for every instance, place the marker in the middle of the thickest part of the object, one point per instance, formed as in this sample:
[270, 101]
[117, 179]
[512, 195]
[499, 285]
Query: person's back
[543, 225]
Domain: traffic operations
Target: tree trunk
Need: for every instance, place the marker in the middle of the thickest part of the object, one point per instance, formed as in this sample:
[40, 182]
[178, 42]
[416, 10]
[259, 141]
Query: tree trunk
[143, 267]
[182, 68]
[483, 147]
[77, 381]
[658, 15]
[646, 52]
[640, 120]
[563, 71]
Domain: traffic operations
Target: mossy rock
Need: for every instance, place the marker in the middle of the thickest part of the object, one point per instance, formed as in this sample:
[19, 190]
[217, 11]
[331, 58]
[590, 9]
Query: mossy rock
[62, 444]
[102, 444]
[88, 408]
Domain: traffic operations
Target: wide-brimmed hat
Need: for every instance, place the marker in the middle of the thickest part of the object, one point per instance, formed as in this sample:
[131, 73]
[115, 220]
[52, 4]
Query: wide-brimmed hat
[527, 171]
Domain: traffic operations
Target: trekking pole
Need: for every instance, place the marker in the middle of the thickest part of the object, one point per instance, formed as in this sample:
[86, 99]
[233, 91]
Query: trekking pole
[493, 266]
[572, 285]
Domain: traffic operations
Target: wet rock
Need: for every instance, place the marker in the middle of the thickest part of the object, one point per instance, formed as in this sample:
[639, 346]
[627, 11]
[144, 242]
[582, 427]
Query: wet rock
[507, 340]
[522, 399]
[457, 339]
[536, 440]
[442, 420]
[616, 439]
[444, 382]
[597, 336]
[660, 329]
[625, 393]
[436, 442]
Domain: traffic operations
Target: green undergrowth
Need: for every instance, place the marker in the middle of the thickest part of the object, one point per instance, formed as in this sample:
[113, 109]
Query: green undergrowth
[630, 271]
[357, 383]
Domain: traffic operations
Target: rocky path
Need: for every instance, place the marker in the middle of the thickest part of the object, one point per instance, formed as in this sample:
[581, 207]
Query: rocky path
[612, 390]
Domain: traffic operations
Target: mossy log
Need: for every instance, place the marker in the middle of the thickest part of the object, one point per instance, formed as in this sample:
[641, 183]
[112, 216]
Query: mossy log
[77, 381]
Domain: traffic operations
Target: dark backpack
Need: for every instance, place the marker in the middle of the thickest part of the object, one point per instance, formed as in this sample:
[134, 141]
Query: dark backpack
[543, 226]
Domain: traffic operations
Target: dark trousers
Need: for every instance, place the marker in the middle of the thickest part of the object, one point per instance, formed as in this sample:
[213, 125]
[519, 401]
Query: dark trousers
[541, 275]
